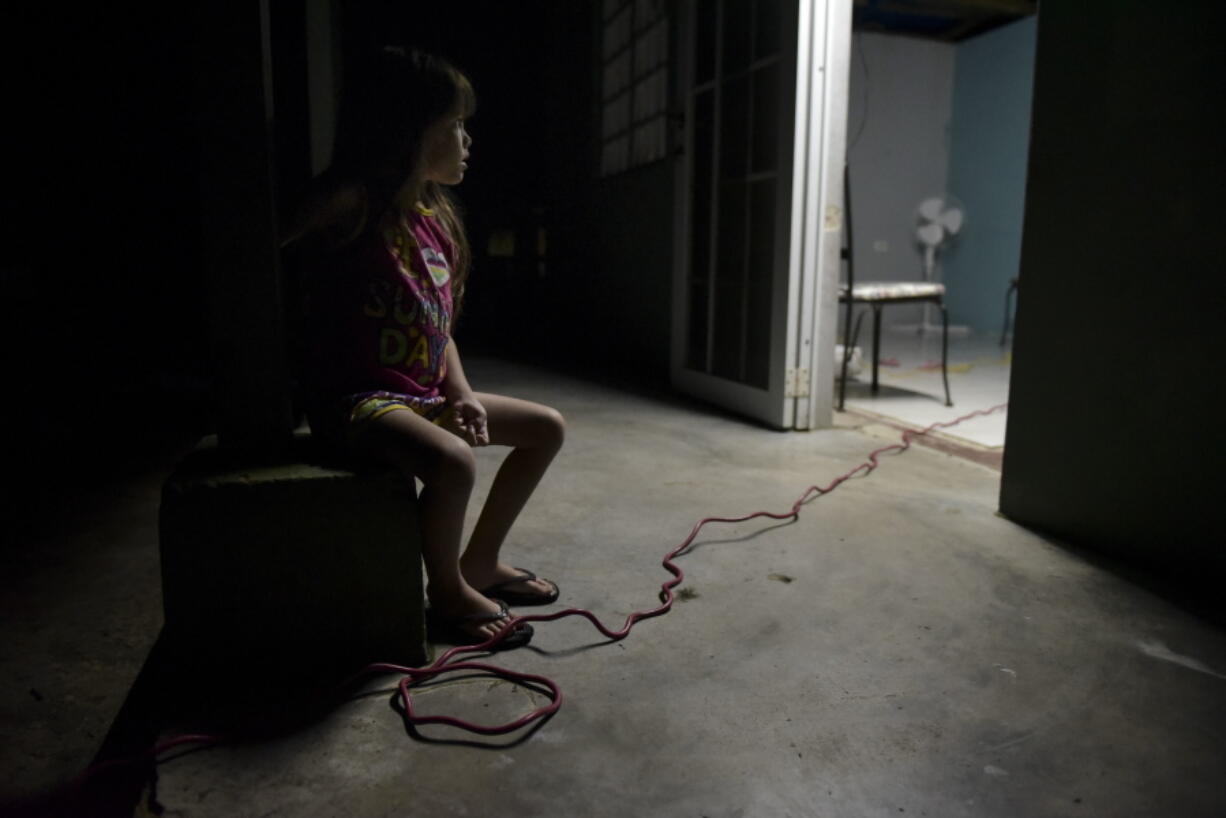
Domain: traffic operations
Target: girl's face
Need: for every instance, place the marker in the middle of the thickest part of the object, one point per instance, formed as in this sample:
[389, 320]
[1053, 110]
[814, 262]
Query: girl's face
[444, 149]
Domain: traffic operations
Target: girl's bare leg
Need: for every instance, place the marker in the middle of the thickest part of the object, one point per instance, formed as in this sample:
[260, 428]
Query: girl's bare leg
[445, 465]
[536, 433]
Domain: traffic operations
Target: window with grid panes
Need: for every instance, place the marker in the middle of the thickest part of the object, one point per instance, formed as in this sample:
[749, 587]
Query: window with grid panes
[633, 84]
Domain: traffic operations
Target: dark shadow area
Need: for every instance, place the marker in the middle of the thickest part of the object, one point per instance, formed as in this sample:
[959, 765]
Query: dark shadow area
[67, 474]
[102, 323]
[1196, 592]
[178, 693]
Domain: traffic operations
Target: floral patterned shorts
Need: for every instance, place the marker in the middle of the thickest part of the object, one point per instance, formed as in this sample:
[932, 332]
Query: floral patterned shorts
[335, 421]
[367, 407]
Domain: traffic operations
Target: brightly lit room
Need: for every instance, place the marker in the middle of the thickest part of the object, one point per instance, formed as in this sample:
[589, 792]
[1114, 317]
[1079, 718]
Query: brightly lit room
[937, 144]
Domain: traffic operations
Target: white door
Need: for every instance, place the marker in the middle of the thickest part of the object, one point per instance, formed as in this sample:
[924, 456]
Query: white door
[759, 206]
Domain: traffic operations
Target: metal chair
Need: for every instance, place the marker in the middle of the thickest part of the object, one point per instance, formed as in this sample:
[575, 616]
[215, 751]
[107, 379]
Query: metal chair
[877, 295]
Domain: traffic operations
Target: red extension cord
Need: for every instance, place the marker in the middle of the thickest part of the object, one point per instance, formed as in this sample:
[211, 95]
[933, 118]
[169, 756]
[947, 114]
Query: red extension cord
[443, 664]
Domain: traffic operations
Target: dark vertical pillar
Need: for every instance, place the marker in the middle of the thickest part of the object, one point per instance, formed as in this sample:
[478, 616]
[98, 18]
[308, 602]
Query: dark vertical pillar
[1114, 433]
[234, 90]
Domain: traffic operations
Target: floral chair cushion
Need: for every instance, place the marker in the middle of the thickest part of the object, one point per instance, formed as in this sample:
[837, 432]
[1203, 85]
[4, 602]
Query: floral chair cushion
[894, 290]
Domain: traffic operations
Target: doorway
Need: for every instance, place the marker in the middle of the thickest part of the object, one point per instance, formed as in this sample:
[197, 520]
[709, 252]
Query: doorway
[940, 115]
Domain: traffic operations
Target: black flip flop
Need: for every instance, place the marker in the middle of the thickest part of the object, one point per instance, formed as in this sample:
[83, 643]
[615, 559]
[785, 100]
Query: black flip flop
[520, 598]
[450, 629]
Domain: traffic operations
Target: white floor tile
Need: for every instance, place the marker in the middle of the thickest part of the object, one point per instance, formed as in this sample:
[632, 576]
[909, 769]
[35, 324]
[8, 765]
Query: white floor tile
[910, 383]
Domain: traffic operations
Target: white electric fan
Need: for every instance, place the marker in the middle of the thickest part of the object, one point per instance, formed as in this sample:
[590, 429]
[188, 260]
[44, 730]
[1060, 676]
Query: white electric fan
[938, 220]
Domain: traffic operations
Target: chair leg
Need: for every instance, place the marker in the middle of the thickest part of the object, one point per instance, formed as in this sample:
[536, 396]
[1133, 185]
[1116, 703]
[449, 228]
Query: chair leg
[1004, 333]
[843, 385]
[846, 359]
[848, 344]
[876, 342]
[945, 352]
[855, 335]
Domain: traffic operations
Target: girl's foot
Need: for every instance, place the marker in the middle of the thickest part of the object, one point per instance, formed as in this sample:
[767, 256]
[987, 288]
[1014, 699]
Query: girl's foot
[471, 618]
[515, 586]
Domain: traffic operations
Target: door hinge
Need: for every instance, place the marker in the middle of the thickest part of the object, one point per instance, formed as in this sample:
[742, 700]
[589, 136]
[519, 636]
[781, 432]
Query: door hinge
[796, 383]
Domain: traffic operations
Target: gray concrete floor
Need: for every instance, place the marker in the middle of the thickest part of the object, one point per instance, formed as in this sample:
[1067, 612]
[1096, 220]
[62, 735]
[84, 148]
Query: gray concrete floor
[899, 650]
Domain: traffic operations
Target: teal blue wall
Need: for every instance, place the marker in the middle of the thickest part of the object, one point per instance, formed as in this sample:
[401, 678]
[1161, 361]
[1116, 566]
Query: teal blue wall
[989, 136]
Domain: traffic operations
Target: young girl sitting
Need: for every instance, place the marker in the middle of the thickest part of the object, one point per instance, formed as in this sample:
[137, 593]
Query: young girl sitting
[390, 266]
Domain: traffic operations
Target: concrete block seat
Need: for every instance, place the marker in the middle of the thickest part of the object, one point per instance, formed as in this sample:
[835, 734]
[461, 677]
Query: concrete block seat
[290, 560]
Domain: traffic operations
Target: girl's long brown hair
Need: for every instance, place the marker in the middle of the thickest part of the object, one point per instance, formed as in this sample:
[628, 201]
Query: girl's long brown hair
[389, 102]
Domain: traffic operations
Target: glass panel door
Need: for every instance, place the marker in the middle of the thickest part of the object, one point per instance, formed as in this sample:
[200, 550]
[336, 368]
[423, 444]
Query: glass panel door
[742, 256]
[733, 254]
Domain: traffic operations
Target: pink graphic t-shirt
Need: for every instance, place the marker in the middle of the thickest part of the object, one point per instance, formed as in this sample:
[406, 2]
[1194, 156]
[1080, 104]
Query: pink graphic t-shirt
[380, 317]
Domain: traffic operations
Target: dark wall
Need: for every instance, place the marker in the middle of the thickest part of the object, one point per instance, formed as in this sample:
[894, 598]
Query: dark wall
[630, 301]
[1114, 433]
[100, 310]
[610, 283]
[597, 299]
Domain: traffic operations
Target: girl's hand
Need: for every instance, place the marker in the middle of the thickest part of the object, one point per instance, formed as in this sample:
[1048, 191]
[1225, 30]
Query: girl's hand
[470, 419]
